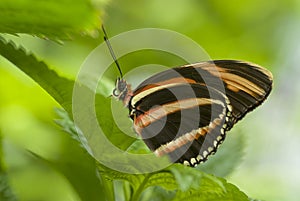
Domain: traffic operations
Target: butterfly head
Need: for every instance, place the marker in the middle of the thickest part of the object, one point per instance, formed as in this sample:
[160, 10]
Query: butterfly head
[122, 91]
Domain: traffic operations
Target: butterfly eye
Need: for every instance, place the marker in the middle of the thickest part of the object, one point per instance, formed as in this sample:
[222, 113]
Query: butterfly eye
[119, 87]
[115, 92]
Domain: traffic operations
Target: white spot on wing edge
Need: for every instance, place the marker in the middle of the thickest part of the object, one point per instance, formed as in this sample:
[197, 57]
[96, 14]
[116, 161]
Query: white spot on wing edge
[193, 161]
[199, 158]
[186, 163]
[205, 154]
[210, 149]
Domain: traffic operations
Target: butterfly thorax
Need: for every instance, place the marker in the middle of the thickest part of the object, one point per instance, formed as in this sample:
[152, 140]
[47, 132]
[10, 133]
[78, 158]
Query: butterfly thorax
[123, 91]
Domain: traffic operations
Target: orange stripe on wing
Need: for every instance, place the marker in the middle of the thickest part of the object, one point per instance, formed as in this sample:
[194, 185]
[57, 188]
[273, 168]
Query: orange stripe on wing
[166, 82]
[159, 112]
[191, 136]
[234, 82]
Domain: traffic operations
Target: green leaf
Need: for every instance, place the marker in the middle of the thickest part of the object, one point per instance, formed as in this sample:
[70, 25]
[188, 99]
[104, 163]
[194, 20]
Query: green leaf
[157, 193]
[58, 87]
[74, 162]
[61, 90]
[104, 116]
[179, 183]
[210, 191]
[251, 199]
[107, 123]
[134, 179]
[65, 122]
[185, 177]
[228, 156]
[6, 193]
[1, 155]
[57, 19]
[69, 127]
[196, 185]
[81, 171]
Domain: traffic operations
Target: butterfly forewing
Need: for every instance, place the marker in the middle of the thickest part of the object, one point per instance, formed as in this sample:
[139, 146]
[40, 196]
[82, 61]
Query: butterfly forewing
[246, 85]
[185, 111]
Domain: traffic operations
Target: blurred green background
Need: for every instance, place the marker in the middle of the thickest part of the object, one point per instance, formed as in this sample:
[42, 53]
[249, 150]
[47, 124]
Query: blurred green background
[263, 32]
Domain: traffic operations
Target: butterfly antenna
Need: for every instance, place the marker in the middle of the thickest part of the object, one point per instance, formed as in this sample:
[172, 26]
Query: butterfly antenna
[111, 50]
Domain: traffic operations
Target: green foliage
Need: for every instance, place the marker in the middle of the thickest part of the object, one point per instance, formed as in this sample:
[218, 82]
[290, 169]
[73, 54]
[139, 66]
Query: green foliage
[6, 193]
[176, 180]
[175, 183]
[90, 179]
[228, 156]
[59, 88]
[1, 154]
[178, 183]
[44, 18]
[80, 170]
[110, 129]
[184, 181]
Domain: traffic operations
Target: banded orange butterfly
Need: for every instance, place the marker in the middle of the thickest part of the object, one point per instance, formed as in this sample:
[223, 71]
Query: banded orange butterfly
[185, 112]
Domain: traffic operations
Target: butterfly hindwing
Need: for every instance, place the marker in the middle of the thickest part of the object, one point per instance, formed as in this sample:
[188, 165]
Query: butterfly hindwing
[182, 121]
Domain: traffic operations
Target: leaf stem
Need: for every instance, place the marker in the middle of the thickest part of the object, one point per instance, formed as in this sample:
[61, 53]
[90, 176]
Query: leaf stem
[137, 193]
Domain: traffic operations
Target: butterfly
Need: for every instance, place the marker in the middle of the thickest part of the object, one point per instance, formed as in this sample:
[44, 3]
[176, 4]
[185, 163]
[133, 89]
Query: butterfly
[186, 111]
